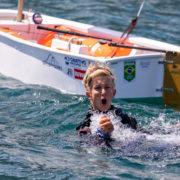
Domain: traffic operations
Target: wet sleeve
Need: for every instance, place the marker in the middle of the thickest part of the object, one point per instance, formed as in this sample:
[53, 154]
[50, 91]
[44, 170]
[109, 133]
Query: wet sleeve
[130, 121]
[83, 127]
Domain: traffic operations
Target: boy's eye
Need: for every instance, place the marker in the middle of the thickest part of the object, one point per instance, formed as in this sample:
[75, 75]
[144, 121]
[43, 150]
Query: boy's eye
[97, 88]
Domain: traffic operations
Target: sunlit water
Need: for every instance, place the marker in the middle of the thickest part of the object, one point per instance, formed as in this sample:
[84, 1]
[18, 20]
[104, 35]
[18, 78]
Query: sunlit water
[37, 123]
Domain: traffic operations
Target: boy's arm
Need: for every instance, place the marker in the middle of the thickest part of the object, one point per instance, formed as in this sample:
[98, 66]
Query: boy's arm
[83, 127]
[104, 130]
[130, 121]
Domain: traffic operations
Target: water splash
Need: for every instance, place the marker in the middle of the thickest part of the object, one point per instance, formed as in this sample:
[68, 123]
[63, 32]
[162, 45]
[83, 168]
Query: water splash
[161, 139]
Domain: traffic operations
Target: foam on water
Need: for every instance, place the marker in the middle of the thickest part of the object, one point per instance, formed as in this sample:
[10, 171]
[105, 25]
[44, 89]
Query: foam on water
[166, 134]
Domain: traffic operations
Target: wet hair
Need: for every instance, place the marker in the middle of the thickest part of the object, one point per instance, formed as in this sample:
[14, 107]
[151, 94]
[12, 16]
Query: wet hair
[96, 70]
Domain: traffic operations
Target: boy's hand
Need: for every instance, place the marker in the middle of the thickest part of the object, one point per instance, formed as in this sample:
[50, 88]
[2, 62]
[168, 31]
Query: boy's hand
[105, 125]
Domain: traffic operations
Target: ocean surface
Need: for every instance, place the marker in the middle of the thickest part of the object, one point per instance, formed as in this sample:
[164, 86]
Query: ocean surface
[38, 139]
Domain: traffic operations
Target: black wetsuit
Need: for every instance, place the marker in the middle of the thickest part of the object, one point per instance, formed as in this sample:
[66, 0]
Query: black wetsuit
[83, 127]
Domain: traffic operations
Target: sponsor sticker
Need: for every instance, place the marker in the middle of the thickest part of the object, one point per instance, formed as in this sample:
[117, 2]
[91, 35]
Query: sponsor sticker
[129, 70]
[70, 72]
[175, 71]
[145, 64]
[71, 61]
[79, 74]
[51, 60]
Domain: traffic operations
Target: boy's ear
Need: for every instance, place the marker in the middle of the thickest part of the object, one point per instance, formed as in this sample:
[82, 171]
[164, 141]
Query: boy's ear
[114, 92]
[88, 94]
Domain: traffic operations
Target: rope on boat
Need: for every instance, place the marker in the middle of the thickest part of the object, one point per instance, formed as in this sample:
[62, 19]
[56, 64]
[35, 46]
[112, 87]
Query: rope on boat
[72, 33]
[129, 29]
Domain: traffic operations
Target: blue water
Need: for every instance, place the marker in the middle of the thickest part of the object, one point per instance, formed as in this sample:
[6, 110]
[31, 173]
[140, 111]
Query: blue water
[37, 123]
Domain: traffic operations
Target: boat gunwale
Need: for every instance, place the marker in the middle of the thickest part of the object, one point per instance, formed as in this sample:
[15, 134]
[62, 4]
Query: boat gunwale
[90, 58]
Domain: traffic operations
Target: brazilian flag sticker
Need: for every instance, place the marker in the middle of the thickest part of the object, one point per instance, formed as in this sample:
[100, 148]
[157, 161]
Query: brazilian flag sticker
[129, 70]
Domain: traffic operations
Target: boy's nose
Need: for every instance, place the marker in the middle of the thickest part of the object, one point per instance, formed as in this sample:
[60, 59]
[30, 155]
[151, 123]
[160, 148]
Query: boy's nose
[103, 91]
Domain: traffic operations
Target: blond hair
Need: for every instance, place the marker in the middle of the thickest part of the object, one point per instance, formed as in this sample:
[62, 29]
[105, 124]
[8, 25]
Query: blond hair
[96, 70]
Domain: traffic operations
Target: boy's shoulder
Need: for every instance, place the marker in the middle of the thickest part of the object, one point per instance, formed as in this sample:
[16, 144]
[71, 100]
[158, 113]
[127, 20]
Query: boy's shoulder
[86, 122]
[117, 110]
[130, 121]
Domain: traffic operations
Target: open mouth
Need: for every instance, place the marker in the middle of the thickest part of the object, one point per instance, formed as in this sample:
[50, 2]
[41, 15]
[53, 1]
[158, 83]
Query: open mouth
[104, 101]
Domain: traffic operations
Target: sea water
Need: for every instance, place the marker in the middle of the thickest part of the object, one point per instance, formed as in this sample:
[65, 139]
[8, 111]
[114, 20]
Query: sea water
[38, 139]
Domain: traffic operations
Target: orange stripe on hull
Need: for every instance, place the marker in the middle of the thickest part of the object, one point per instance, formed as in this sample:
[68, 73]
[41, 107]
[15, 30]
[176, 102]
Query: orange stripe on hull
[11, 33]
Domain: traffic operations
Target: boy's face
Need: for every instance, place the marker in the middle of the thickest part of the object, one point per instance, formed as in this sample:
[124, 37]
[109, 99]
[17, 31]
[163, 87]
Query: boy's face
[101, 93]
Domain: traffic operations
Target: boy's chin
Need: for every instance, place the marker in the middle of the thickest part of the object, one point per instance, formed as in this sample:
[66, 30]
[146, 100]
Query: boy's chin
[104, 107]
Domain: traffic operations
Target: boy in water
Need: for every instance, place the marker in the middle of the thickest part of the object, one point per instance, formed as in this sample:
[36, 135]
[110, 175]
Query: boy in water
[99, 82]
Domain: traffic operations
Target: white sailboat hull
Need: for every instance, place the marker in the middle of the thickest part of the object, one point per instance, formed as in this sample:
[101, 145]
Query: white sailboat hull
[36, 64]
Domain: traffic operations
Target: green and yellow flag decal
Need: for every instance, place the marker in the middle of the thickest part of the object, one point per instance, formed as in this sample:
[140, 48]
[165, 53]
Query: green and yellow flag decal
[129, 70]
